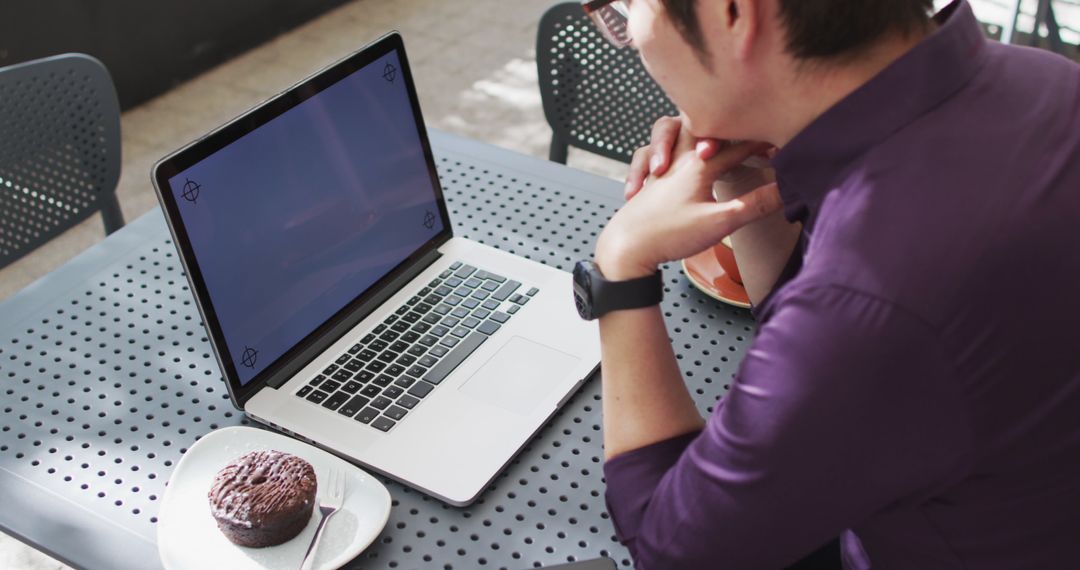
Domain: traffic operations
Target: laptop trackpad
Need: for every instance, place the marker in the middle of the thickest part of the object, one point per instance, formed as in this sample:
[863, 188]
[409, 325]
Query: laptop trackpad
[519, 376]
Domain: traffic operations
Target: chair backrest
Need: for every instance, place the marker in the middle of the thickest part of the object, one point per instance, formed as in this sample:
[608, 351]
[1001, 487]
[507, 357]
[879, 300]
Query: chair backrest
[596, 97]
[59, 150]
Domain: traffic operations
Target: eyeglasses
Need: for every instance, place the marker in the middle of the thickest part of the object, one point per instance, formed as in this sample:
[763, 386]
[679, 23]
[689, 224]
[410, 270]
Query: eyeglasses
[610, 16]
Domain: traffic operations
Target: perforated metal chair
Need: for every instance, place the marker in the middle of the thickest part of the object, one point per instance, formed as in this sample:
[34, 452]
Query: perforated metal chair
[59, 150]
[596, 97]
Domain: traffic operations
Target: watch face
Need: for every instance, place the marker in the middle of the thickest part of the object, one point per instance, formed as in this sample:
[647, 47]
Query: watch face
[583, 290]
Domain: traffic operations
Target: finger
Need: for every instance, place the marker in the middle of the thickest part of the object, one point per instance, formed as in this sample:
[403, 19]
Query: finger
[727, 157]
[665, 133]
[639, 170]
[748, 208]
[706, 148]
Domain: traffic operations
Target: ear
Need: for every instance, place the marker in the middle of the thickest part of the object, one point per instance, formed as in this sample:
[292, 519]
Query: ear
[743, 20]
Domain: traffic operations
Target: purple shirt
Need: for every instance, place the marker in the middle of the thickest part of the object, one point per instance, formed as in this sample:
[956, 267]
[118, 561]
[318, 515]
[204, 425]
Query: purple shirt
[914, 385]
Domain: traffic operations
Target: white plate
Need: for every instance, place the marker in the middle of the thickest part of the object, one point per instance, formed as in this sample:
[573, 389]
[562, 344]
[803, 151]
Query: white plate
[188, 536]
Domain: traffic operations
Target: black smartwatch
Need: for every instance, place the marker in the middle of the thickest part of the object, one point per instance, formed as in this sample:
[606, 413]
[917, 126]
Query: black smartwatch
[595, 296]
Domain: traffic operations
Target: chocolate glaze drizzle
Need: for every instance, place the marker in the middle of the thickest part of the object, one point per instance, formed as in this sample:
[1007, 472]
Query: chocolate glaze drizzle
[259, 484]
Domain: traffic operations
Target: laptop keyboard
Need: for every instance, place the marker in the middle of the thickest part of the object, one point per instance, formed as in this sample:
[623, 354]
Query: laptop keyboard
[378, 380]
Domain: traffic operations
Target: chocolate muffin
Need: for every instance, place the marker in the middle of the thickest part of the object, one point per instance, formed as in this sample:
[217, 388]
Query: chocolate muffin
[263, 498]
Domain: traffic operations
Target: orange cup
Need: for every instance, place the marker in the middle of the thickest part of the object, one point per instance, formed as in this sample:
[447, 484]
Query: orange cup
[725, 256]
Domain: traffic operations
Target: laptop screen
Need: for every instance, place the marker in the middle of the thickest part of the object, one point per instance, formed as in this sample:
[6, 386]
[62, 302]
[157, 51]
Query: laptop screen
[299, 217]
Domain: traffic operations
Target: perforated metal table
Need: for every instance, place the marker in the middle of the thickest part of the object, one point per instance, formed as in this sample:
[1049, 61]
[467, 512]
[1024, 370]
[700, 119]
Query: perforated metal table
[108, 377]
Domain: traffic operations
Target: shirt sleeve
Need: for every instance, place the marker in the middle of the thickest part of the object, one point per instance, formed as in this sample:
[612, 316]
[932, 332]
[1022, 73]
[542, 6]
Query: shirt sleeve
[843, 406]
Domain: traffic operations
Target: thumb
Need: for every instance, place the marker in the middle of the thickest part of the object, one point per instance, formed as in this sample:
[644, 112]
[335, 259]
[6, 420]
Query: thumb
[756, 204]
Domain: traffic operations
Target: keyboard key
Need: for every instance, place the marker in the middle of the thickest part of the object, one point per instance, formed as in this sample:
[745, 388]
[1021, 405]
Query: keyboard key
[366, 355]
[421, 389]
[490, 286]
[354, 405]
[443, 290]
[434, 283]
[488, 327]
[356, 348]
[532, 291]
[363, 376]
[389, 336]
[411, 317]
[329, 386]
[431, 318]
[417, 349]
[438, 351]
[428, 340]
[399, 346]
[382, 424]
[401, 310]
[450, 322]
[400, 326]
[367, 338]
[472, 283]
[335, 401]
[380, 328]
[432, 299]
[395, 370]
[390, 320]
[392, 392]
[330, 369]
[453, 282]
[410, 337]
[352, 386]
[395, 413]
[490, 305]
[406, 360]
[481, 313]
[317, 396]
[427, 361]
[453, 300]
[505, 291]
[500, 317]
[371, 391]
[343, 359]
[376, 366]
[455, 265]
[463, 292]
[304, 391]
[416, 371]
[459, 313]
[442, 309]
[522, 300]
[315, 381]
[449, 342]
[367, 414]
[381, 402]
[452, 360]
[388, 356]
[470, 303]
[342, 375]
[460, 332]
[513, 309]
[404, 381]
[439, 331]
[382, 380]
[464, 271]
[480, 294]
[377, 345]
[494, 277]
[354, 365]
[422, 308]
[421, 327]
[515, 298]
[470, 322]
[444, 275]
[424, 291]
[413, 300]
[407, 401]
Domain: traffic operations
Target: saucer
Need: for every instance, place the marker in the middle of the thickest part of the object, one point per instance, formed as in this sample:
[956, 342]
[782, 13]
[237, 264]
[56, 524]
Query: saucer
[706, 274]
[188, 537]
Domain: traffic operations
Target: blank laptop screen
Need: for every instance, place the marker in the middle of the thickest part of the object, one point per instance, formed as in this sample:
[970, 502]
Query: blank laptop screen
[296, 219]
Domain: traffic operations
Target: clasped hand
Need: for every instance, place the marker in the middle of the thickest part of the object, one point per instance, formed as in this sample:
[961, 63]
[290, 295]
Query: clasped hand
[672, 213]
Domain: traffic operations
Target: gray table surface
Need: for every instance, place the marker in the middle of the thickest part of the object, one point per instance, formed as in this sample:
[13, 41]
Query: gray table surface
[108, 378]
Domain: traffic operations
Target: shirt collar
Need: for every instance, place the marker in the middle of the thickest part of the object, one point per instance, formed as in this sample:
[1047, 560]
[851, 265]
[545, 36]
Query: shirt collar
[929, 73]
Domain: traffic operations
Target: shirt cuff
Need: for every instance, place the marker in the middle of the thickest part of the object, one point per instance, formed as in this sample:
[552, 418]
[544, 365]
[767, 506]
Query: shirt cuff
[632, 477]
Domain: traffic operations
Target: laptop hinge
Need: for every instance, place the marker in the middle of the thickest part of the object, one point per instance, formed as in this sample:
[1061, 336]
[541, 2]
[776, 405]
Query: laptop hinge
[333, 335]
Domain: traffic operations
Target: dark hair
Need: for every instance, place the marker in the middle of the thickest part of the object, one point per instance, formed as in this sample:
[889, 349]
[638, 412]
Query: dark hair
[822, 29]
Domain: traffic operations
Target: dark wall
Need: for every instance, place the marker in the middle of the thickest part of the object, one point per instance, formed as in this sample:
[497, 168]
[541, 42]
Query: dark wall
[148, 45]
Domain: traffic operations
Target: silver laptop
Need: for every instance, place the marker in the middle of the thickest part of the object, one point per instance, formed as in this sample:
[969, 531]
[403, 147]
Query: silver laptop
[340, 305]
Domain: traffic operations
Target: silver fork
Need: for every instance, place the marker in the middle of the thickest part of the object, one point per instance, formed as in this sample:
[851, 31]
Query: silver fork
[329, 504]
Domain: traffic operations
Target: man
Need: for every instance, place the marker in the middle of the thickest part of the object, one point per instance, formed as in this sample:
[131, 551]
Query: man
[914, 384]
